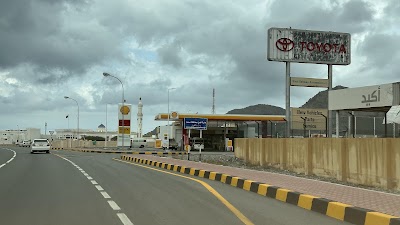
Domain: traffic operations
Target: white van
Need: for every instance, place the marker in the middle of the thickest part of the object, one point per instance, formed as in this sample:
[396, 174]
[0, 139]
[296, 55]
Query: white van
[138, 143]
[40, 145]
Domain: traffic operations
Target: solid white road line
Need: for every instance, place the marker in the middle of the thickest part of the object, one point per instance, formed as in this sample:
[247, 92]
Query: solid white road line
[105, 195]
[2, 165]
[124, 219]
[93, 182]
[100, 188]
[114, 205]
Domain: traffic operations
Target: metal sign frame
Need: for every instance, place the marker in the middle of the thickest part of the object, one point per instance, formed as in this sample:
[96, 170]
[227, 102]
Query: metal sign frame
[285, 45]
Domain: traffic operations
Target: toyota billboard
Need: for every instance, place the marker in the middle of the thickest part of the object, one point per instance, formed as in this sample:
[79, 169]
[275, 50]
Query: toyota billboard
[305, 46]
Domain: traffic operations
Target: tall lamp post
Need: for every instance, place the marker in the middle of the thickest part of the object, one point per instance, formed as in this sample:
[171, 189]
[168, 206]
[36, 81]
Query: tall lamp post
[123, 101]
[105, 143]
[169, 129]
[17, 134]
[77, 136]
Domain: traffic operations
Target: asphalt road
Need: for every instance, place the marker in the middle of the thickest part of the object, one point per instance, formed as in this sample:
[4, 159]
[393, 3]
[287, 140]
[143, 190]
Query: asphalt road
[52, 189]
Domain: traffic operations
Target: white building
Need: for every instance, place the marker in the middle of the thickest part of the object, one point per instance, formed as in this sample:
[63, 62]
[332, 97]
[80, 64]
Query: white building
[101, 128]
[17, 136]
[100, 132]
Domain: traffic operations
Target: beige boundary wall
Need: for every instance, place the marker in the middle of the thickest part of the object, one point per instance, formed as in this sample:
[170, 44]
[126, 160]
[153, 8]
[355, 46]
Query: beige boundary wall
[88, 144]
[83, 144]
[366, 161]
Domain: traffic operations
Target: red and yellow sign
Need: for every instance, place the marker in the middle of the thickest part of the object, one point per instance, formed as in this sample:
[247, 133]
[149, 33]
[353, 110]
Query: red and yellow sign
[127, 123]
[124, 130]
[124, 110]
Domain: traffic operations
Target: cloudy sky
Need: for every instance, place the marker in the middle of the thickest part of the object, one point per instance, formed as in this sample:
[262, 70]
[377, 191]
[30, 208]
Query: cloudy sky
[55, 48]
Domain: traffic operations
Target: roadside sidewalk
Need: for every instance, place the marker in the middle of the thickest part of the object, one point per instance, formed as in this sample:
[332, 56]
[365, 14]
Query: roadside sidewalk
[363, 198]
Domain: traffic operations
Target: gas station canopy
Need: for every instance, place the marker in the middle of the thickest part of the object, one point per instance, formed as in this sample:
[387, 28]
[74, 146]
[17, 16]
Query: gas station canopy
[220, 117]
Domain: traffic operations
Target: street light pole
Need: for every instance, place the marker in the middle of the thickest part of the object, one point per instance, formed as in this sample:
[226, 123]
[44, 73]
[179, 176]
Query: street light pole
[18, 134]
[77, 136]
[169, 129]
[105, 139]
[123, 101]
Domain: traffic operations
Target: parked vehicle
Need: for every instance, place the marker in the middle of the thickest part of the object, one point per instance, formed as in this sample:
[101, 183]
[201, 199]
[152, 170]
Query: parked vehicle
[26, 143]
[138, 143]
[40, 145]
[172, 144]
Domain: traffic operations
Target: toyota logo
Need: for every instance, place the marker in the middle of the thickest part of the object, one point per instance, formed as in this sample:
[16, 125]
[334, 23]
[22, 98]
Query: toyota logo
[284, 44]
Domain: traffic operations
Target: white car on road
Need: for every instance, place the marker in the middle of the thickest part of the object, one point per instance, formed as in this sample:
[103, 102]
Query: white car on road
[40, 145]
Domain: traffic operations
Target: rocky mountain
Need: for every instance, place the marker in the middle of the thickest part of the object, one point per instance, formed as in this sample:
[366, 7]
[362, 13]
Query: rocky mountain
[320, 100]
[260, 109]
[153, 132]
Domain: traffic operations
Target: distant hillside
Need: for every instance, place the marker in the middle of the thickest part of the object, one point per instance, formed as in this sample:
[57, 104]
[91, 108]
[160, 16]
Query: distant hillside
[153, 132]
[260, 109]
[320, 100]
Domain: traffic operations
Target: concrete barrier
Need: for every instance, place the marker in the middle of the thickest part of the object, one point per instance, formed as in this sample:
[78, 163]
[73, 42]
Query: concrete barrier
[366, 161]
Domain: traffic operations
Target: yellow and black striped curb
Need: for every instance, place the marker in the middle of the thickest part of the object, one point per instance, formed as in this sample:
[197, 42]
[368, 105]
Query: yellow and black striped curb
[337, 210]
[131, 153]
[57, 148]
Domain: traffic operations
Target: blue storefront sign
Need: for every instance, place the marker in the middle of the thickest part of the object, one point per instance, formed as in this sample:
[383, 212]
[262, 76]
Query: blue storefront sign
[195, 123]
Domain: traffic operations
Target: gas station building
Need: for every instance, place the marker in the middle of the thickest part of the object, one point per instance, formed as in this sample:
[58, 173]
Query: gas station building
[222, 129]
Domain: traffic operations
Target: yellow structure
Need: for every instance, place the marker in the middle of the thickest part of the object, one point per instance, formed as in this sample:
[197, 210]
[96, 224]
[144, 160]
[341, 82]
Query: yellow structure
[221, 117]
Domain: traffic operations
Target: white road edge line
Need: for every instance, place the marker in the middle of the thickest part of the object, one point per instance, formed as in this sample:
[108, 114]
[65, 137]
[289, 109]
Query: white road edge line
[124, 219]
[105, 195]
[114, 205]
[11, 159]
[100, 188]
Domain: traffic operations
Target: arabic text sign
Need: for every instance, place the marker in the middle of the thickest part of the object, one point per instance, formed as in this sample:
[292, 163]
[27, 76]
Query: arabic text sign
[315, 119]
[195, 123]
[309, 82]
[291, 45]
[362, 97]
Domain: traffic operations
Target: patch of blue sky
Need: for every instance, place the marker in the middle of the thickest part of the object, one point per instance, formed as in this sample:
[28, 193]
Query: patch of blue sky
[145, 54]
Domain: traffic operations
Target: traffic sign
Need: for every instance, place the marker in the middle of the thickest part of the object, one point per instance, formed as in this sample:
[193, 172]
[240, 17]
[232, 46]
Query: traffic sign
[195, 123]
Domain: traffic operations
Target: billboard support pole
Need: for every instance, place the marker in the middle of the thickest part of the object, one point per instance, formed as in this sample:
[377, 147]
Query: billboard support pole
[330, 124]
[337, 123]
[288, 119]
[201, 136]
[386, 125]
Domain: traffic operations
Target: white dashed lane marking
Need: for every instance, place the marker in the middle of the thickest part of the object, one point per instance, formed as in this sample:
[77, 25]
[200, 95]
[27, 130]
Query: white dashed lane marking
[11, 159]
[105, 194]
[99, 188]
[124, 219]
[114, 205]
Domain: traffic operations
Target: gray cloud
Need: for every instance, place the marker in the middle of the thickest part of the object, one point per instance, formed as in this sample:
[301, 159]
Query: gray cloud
[57, 48]
[170, 55]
